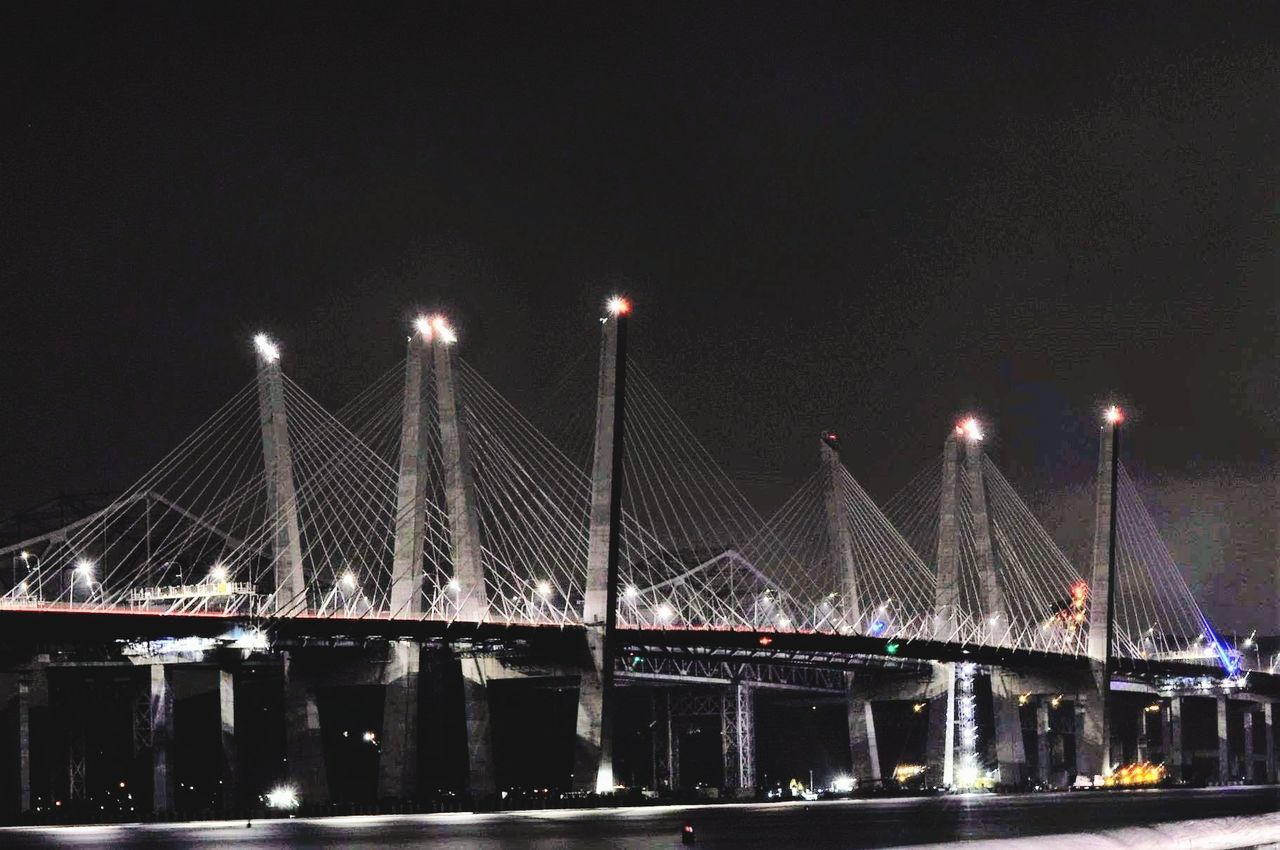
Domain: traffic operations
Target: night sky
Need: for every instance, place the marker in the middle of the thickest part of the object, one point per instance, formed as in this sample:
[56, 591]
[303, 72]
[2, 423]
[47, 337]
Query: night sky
[871, 217]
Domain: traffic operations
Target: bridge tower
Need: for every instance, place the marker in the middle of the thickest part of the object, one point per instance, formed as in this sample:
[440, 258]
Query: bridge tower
[838, 531]
[946, 600]
[1094, 756]
[464, 536]
[994, 610]
[593, 756]
[282, 499]
[411, 483]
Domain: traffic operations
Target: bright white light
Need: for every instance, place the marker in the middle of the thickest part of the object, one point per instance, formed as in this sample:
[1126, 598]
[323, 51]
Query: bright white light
[348, 580]
[443, 331]
[1114, 415]
[369, 737]
[970, 428]
[282, 797]
[218, 574]
[454, 586]
[784, 622]
[544, 588]
[267, 349]
[422, 325]
[842, 784]
[618, 306]
[24, 554]
[665, 612]
[84, 569]
[631, 592]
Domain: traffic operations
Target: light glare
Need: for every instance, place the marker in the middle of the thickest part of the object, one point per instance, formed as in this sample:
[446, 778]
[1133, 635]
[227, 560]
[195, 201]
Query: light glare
[618, 306]
[1114, 415]
[268, 350]
[970, 428]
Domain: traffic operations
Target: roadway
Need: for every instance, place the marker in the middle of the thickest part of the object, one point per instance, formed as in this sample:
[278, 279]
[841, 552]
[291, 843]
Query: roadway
[835, 824]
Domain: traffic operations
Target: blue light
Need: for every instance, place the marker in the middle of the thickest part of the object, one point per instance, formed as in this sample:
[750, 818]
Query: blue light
[877, 627]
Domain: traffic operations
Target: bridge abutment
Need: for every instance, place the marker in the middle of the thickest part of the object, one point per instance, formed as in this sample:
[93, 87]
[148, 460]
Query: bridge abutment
[398, 757]
[304, 747]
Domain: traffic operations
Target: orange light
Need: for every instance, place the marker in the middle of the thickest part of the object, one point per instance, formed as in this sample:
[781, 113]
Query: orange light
[765, 640]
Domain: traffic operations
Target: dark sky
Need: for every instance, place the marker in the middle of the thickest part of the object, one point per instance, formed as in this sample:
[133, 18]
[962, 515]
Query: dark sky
[871, 217]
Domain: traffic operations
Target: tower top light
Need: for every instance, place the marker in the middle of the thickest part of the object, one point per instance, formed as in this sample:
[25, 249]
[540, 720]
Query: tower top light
[618, 306]
[435, 327]
[970, 429]
[1114, 415]
[267, 348]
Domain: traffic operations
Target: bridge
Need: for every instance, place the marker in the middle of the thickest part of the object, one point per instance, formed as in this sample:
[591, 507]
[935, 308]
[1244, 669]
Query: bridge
[430, 522]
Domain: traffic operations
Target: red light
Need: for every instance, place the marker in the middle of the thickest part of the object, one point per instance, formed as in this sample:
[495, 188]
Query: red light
[1114, 415]
[765, 640]
[619, 306]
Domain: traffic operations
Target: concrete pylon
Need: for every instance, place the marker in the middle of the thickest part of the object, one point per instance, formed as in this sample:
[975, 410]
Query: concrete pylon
[864, 749]
[464, 536]
[1269, 740]
[1011, 751]
[1224, 743]
[593, 756]
[940, 737]
[227, 736]
[282, 501]
[161, 688]
[946, 603]
[398, 750]
[459, 484]
[994, 610]
[411, 483]
[838, 531]
[1093, 753]
[1174, 754]
[304, 746]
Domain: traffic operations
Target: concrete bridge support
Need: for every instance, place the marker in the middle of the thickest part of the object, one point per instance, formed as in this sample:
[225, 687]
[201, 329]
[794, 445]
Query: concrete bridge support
[839, 533]
[1093, 740]
[304, 747]
[398, 759]
[946, 603]
[1011, 752]
[161, 703]
[1269, 740]
[864, 750]
[476, 675]
[227, 737]
[593, 757]
[282, 504]
[1044, 767]
[1224, 744]
[411, 484]
[1175, 757]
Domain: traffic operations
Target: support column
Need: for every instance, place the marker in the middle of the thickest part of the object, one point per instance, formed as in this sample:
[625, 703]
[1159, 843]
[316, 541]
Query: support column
[673, 747]
[411, 483]
[839, 533]
[1224, 748]
[1093, 753]
[24, 747]
[994, 611]
[398, 755]
[940, 739]
[162, 793]
[738, 739]
[475, 706]
[1044, 769]
[947, 596]
[303, 744]
[227, 735]
[593, 758]
[1011, 752]
[1269, 739]
[864, 750]
[282, 502]
[459, 485]
[1250, 771]
[1174, 757]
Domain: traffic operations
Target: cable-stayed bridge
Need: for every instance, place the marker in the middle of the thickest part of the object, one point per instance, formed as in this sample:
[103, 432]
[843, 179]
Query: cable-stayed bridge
[430, 515]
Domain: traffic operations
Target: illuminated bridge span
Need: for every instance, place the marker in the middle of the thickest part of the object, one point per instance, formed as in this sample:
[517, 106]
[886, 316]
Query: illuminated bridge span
[430, 510]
